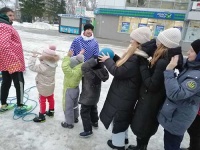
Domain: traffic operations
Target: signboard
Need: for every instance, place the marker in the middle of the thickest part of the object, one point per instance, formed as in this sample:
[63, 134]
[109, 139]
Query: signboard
[163, 15]
[196, 6]
[158, 29]
[71, 30]
[141, 14]
[142, 25]
[125, 27]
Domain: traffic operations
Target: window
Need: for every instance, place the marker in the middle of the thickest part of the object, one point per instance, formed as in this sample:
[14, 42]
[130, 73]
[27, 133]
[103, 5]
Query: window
[193, 31]
[163, 4]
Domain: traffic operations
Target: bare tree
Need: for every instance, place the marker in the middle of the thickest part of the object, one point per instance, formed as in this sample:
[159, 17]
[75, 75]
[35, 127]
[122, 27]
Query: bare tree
[4, 2]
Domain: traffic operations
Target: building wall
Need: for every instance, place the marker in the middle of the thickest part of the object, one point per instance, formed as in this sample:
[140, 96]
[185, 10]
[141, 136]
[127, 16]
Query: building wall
[111, 3]
[106, 27]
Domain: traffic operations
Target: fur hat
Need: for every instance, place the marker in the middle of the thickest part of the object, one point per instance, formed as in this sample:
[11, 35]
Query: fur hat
[170, 37]
[107, 50]
[88, 26]
[75, 60]
[50, 51]
[141, 35]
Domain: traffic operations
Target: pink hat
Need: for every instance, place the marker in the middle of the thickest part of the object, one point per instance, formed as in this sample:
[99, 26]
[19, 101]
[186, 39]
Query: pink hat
[50, 51]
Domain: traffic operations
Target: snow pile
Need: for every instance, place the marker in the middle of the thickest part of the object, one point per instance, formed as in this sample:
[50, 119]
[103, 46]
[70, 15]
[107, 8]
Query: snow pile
[37, 25]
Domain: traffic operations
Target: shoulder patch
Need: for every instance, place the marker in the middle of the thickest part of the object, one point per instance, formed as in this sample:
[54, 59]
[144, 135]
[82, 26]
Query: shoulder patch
[191, 85]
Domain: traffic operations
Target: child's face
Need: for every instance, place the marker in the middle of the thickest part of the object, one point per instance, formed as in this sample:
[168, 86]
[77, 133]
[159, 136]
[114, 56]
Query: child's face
[191, 54]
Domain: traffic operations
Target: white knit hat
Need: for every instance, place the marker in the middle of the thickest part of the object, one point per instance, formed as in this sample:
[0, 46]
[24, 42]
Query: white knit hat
[170, 37]
[141, 35]
[50, 51]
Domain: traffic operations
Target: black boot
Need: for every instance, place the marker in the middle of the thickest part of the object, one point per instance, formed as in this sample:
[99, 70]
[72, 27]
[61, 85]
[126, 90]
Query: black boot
[109, 142]
[133, 147]
[40, 118]
[141, 144]
[50, 113]
[185, 149]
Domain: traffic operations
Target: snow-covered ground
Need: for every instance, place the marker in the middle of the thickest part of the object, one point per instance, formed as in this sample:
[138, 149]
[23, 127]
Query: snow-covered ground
[21, 135]
[37, 25]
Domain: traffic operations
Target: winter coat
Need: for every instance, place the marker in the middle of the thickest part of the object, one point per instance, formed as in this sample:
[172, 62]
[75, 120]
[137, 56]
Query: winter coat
[45, 79]
[152, 95]
[11, 52]
[89, 44]
[199, 112]
[72, 77]
[91, 84]
[183, 98]
[123, 93]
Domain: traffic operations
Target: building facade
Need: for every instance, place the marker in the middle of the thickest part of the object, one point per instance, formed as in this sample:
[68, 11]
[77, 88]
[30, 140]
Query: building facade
[116, 19]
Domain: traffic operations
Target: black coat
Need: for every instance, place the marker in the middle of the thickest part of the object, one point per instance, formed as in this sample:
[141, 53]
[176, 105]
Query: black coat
[152, 95]
[93, 74]
[122, 95]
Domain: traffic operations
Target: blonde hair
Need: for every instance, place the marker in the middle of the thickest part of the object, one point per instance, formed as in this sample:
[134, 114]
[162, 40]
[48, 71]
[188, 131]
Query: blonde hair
[131, 50]
[160, 51]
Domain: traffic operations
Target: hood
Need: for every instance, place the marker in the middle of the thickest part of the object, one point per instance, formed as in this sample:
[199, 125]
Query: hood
[4, 19]
[50, 60]
[193, 64]
[149, 47]
[85, 38]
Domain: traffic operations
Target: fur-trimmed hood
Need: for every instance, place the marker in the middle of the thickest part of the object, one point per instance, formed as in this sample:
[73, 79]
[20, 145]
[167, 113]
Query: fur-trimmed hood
[85, 38]
[141, 53]
[50, 60]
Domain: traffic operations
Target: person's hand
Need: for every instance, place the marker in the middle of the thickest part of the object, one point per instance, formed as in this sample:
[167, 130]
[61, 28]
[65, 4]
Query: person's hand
[173, 63]
[82, 51]
[70, 53]
[103, 57]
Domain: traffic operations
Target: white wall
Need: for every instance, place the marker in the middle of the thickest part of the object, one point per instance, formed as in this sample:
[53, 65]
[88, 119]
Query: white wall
[193, 15]
[111, 3]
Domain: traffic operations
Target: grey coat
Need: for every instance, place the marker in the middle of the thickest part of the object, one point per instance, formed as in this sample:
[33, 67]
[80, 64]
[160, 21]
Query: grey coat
[93, 74]
[183, 99]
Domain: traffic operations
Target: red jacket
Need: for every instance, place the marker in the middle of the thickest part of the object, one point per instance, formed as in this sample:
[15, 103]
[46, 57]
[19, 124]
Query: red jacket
[11, 52]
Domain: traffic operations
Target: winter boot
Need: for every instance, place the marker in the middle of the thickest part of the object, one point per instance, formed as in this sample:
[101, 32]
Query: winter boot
[133, 147]
[86, 134]
[76, 120]
[95, 124]
[40, 118]
[141, 144]
[65, 125]
[109, 142]
[126, 141]
[50, 113]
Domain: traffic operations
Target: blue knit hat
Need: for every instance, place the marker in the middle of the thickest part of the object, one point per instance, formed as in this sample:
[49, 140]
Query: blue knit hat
[107, 51]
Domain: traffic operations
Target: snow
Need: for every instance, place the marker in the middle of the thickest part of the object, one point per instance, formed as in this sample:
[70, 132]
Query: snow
[37, 25]
[22, 135]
